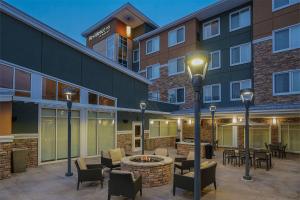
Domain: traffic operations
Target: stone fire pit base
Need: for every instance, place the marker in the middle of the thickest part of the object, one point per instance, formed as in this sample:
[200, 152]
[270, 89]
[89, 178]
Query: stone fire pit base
[153, 173]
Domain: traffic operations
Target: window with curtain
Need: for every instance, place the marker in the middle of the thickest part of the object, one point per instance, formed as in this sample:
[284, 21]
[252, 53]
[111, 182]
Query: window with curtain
[279, 4]
[211, 29]
[176, 66]
[286, 39]
[163, 128]
[176, 36]
[290, 135]
[48, 135]
[225, 135]
[153, 72]
[215, 60]
[212, 93]
[152, 45]
[237, 86]
[240, 54]
[110, 47]
[287, 82]
[240, 19]
[259, 135]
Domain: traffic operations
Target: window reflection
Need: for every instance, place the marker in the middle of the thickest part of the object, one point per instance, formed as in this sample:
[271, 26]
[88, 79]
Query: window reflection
[49, 89]
[22, 83]
[62, 97]
[106, 101]
[93, 98]
[6, 77]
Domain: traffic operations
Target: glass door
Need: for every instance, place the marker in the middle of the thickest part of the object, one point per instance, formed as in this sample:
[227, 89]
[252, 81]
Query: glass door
[290, 135]
[137, 136]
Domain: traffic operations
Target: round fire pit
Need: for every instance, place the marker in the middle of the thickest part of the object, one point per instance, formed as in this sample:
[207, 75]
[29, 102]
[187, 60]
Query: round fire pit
[155, 170]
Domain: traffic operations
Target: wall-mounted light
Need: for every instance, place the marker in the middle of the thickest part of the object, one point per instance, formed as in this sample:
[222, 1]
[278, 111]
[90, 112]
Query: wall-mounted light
[151, 122]
[240, 119]
[128, 31]
[178, 121]
[274, 121]
[167, 122]
[234, 119]
[99, 121]
[190, 121]
[113, 121]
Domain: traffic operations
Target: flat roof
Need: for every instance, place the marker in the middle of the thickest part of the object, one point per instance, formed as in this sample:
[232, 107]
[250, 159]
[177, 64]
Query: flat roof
[25, 18]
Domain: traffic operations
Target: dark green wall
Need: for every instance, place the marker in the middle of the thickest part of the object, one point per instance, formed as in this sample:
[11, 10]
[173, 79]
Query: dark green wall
[223, 42]
[28, 47]
[24, 118]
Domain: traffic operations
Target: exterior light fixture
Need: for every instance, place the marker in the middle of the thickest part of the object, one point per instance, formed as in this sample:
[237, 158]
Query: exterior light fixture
[151, 122]
[247, 97]
[197, 63]
[143, 107]
[274, 121]
[128, 31]
[234, 119]
[213, 109]
[167, 122]
[178, 121]
[190, 122]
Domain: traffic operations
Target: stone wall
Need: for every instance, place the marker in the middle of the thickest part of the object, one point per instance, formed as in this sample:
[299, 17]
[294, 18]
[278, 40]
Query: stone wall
[184, 149]
[31, 144]
[153, 143]
[125, 141]
[5, 160]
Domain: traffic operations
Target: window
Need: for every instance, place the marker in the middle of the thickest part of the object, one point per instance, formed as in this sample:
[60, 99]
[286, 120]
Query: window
[279, 4]
[225, 136]
[236, 87]
[122, 51]
[97, 99]
[239, 19]
[286, 82]
[110, 47]
[240, 54]
[286, 39]
[215, 60]
[154, 95]
[136, 56]
[176, 66]
[93, 98]
[176, 95]
[163, 128]
[212, 93]
[6, 77]
[290, 136]
[49, 89]
[152, 45]
[106, 101]
[176, 36]
[153, 72]
[258, 136]
[211, 29]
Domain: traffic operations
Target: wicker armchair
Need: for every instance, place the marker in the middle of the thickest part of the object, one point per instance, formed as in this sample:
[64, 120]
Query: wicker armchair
[123, 183]
[161, 152]
[108, 162]
[184, 163]
[88, 172]
[208, 176]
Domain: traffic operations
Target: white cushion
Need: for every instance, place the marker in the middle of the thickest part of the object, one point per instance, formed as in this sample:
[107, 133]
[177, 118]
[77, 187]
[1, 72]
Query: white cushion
[115, 154]
[191, 156]
[82, 164]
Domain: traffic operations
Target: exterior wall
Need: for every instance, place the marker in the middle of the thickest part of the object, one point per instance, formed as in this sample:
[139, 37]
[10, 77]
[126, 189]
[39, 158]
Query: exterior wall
[31, 145]
[165, 53]
[124, 140]
[5, 160]
[5, 118]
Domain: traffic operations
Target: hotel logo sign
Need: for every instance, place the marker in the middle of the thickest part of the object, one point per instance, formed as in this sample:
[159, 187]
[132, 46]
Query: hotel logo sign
[103, 31]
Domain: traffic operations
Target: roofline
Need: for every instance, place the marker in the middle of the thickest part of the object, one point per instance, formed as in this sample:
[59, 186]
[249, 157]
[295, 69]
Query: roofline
[110, 16]
[25, 18]
[188, 17]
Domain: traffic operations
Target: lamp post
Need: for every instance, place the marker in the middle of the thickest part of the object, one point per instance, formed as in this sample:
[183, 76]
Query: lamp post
[247, 97]
[143, 108]
[197, 67]
[212, 111]
[69, 93]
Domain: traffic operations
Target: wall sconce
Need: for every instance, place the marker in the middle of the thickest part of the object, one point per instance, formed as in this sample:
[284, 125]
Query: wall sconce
[274, 121]
[167, 122]
[178, 121]
[99, 121]
[190, 121]
[240, 119]
[113, 121]
[151, 122]
[234, 119]
[128, 31]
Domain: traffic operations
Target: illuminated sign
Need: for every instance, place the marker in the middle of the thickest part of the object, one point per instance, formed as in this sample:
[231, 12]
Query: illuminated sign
[103, 31]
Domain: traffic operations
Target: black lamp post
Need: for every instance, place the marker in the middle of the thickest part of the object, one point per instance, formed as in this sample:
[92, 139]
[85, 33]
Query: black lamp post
[212, 111]
[69, 93]
[197, 67]
[247, 97]
[143, 108]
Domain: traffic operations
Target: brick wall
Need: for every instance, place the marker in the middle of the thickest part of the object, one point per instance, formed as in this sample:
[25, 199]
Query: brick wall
[31, 144]
[265, 63]
[5, 160]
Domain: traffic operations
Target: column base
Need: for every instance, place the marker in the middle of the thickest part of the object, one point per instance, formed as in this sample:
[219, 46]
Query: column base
[69, 174]
[247, 178]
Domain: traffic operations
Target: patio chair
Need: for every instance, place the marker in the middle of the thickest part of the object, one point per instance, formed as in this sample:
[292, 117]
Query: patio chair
[184, 163]
[267, 146]
[112, 158]
[124, 183]
[88, 172]
[261, 156]
[161, 152]
[242, 157]
[282, 151]
[186, 181]
[230, 156]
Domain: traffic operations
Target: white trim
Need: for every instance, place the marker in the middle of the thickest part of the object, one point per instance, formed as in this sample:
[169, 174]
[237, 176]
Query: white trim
[263, 39]
[240, 82]
[208, 23]
[152, 39]
[210, 63]
[290, 41]
[175, 30]
[138, 60]
[154, 65]
[238, 11]
[211, 85]
[25, 135]
[284, 6]
[15, 13]
[290, 73]
[240, 45]
[176, 73]
[6, 138]
[176, 88]
[125, 132]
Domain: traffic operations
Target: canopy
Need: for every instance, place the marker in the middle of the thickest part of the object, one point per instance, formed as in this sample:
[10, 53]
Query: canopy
[243, 123]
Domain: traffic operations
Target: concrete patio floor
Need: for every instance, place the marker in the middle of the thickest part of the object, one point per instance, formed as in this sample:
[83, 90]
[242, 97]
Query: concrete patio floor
[48, 182]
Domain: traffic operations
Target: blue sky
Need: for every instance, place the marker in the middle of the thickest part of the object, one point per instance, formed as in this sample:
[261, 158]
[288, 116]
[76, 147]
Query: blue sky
[72, 17]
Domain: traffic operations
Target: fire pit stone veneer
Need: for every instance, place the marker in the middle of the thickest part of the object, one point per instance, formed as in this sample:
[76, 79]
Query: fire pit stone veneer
[155, 170]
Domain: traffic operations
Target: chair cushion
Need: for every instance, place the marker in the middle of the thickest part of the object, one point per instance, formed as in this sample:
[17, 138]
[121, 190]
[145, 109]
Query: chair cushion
[116, 163]
[178, 163]
[105, 154]
[82, 164]
[190, 156]
[190, 174]
[161, 152]
[115, 154]
[121, 172]
[123, 152]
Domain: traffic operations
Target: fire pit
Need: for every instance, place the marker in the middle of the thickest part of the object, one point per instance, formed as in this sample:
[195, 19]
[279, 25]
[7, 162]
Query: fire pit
[155, 170]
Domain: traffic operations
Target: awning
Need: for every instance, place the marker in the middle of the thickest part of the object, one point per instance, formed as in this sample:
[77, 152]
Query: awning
[243, 123]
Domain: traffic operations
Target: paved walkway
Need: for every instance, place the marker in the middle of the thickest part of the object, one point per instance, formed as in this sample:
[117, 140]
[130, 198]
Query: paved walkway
[48, 182]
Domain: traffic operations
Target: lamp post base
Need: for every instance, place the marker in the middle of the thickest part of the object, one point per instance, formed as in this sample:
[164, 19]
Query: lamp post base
[247, 178]
[69, 174]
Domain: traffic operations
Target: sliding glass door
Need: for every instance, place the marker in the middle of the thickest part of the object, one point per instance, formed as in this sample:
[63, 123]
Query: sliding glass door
[290, 135]
[48, 135]
[225, 136]
[259, 135]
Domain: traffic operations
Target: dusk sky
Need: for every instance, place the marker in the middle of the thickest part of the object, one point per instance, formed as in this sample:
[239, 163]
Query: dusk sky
[72, 17]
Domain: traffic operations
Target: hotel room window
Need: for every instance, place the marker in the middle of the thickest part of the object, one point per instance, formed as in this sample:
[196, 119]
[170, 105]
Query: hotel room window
[110, 47]
[176, 95]
[153, 72]
[240, 54]
[22, 83]
[176, 66]
[176, 36]
[154, 95]
[279, 4]
[215, 60]
[122, 51]
[240, 19]
[136, 56]
[211, 29]
[212, 93]
[152, 45]
[6, 77]
[49, 89]
[286, 82]
[286, 39]
[236, 87]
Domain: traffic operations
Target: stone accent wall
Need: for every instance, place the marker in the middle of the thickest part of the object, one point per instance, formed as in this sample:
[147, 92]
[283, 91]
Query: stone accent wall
[153, 143]
[31, 144]
[184, 149]
[265, 63]
[5, 160]
[125, 141]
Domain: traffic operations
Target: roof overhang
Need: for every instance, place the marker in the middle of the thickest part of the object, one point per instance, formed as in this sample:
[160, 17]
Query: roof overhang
[23, 17]
[202, 14]
[127, 13]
